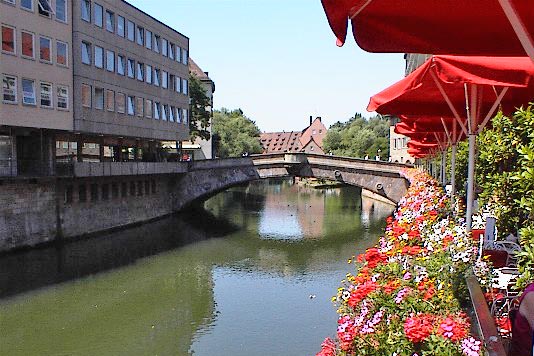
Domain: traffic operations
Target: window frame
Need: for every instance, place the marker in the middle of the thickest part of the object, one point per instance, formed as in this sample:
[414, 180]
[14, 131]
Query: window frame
[59, 88]
[148, 106]
[130, 104]
[117, 30]
[171, 51]
[164, 79]
[14, 36]
[121, 69]
[148, 39]
[22, 32]
[148, 74]
[50, 93]
[109, 99]
[100, 101]
[185, 56]
[86, 4]
[32, 81]
[120, 109]
[89, 51]
[65, 11]
[14, 89]
[157, 77]
[108, 62]
[156, 113]
[100, 22]
[32, 8]
[156, 43]
[140, 72]
[132, 68]
[101, 57]
[42, 11]
[87, 102]
[172, 110]
[140, 35]
[58, 42]
[49, 60]
[110, 25]
[164, 47]
[139, 106]
[128, 32]
[164, 112]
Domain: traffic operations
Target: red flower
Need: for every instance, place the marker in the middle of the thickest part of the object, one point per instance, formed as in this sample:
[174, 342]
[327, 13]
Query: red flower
[374, 257]
[454, 327]
[418, 327]
[361, 292]
[328, 348]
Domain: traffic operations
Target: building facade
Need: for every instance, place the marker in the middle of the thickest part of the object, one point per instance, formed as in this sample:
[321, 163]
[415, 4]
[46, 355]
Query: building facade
[37, 83]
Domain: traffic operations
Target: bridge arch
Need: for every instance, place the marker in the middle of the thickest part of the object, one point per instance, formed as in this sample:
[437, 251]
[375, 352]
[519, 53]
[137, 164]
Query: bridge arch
[206, 178]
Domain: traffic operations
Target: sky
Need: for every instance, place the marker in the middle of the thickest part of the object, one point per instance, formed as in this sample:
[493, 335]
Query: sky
[277, 60]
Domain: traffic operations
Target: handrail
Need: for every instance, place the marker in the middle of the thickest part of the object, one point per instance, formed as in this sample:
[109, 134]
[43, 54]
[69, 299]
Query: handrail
[485, 321]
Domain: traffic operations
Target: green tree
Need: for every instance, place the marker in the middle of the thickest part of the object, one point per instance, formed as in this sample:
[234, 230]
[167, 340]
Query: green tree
[199, 121]
[358, 137]
[237, 134]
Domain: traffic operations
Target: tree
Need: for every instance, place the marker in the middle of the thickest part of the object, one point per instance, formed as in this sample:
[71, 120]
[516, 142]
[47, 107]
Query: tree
[358, 137]
[199, 121]
[237, 134]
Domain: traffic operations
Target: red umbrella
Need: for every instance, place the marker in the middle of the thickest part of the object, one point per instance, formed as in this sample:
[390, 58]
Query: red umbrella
[469, 27]
[467, 88]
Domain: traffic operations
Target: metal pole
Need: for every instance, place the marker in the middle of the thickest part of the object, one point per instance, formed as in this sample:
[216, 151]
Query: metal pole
[443, 168]
[519, 27]
[471, 162]
[453, 174]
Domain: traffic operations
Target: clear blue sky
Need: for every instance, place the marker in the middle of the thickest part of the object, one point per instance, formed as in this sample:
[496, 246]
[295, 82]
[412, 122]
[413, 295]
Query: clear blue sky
[277, 59]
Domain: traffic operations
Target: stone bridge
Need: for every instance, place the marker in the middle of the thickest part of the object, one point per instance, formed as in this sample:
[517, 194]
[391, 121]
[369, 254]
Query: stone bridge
[206, 178]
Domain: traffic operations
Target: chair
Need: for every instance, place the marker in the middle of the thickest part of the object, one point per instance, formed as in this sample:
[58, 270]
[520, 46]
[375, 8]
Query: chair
[511, 247]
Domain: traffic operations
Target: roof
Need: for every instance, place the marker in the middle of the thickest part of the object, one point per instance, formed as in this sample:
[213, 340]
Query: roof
[196, 70]
[275, 142]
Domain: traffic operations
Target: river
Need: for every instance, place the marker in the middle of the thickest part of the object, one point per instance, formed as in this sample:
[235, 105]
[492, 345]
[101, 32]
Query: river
[252, 273]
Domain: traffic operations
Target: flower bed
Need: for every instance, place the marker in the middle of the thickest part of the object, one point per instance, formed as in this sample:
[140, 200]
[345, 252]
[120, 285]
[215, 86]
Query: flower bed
[405, 298]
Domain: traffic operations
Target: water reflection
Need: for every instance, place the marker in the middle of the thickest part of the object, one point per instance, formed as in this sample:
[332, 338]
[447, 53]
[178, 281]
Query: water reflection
[225, 281]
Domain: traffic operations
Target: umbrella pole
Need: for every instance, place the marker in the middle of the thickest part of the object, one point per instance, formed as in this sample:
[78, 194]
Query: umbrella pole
[453, 174]
[443, 168]
[519, 27]
[470, 181]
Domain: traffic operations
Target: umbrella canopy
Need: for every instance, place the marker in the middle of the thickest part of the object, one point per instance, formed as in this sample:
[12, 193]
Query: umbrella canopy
[438, 87]
[472, 27]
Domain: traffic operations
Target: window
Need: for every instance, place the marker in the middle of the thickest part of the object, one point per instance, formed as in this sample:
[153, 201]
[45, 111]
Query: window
[140, 71]
[110, 61]
[148, 41]
[110, 21]
[62, 53]
[28, 91]
[44, 8]
[171, 50]
[148, 108]
[120, 64]
[46, 95]
[157, 110]
[164, 47]
[98, 13]
[10, 1]
[61, 10]
[99, 57]
[186, 116]
[131, 108]
[185, 56]
[131, 66]
[131, 30]
[27, 44]
[172, 82]
[171, 113]
[179, 115]
[86, 95]
[110, 100]
[164, 79]
[62, 97]
[178, 85]
[184, 86]
[120, 102]
[165, 112]
[140, 36]
[27, 4]
[86, 10]
[82, 193]
[9, 89]
[157, 74]
[156, 43]
[178, 54]
[139, 106]
[148, 72]
[8, 39]
[44, 49]
[86, 53]
[99, 98]
[120, 25]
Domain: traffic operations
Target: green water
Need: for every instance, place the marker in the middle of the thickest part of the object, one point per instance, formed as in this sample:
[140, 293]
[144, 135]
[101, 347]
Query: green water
[252, 274]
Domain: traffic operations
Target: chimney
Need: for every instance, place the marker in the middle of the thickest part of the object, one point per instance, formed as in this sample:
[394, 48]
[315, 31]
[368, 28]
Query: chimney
[319, 118]
[311, 119]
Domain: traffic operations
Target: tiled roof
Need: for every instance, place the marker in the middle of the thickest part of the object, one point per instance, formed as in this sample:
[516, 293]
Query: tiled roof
[276, 142]
[196, 70]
